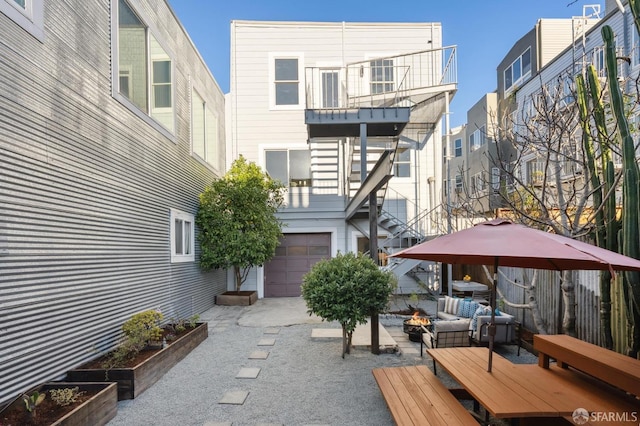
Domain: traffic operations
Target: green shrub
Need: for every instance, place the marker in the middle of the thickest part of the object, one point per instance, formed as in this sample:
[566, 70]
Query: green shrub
[65, 396]
[139, 331]
[347, 288]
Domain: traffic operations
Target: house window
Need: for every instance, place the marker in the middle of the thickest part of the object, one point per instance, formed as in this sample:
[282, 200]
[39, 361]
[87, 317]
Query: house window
[204, 131]
[182, 236]
[28, 14]
[402, 163]
[495, 179]
[457, 147]
[330, 89]
[458, 184]
[382, 76]
[144, 68]
[535, 172]
[286, 81]
[477, 139]
[477, 184]
[519, 70]
[635, 47]
[598, 61]
[291, 167]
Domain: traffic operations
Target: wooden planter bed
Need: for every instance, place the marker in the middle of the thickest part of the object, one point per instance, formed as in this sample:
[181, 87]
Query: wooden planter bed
[135, 380]
[98, 405]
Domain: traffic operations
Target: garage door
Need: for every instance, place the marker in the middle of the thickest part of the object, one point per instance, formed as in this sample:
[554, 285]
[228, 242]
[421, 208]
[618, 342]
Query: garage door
[294, 257]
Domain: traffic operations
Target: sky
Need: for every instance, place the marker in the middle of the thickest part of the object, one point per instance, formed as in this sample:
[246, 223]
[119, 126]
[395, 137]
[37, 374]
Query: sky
[483, 31]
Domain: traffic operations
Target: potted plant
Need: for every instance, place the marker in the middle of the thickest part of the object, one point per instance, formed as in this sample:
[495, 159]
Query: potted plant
[347, 288]
[63, 403]
[238, 225]
[146, 353]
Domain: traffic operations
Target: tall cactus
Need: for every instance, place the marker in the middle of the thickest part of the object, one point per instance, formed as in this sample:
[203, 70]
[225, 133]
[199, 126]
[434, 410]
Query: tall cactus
[600, 221]
[630, 199]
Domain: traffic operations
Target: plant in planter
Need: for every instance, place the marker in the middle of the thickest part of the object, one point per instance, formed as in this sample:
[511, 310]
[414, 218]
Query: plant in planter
[145, 354]
[347, 289]
[238, 224]
[62, 403]
[140, 332]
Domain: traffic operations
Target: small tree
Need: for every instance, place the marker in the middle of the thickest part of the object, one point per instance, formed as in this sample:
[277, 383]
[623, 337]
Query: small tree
[237, 221]
[347, 289]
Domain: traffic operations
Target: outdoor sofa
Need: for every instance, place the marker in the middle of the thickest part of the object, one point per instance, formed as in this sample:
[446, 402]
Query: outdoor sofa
[462, 314]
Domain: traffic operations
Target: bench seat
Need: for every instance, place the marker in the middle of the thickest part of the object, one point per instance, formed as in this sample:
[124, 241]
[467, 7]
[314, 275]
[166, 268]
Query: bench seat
[415, 396]
[611, 367]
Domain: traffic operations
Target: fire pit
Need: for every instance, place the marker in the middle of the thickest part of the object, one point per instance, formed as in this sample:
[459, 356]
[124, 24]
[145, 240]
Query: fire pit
[412, 327]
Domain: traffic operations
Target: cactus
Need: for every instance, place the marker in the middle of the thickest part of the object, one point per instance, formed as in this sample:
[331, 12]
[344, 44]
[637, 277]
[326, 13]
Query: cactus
[601, 226]
[630, 203]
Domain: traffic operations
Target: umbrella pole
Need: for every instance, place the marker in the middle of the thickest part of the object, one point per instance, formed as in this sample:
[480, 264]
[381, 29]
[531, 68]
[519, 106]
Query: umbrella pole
[492, 325]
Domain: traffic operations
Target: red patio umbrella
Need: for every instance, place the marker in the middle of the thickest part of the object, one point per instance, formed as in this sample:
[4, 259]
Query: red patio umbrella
[500, 242]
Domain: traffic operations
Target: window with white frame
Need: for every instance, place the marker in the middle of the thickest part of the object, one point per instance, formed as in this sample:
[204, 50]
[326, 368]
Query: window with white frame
[597, 59]
[535, 172]
[286, 81]
[457, 147]
[567, 91]
[477, 184]
[495, 179]
[382, 76]
[204, 131]
[518, 71]
[182, 236]
[635, 46]
[330, 88]
[477, 139]
[292, 167]
[144, 69]
[458, 184]
[29, 14]
[402, 163]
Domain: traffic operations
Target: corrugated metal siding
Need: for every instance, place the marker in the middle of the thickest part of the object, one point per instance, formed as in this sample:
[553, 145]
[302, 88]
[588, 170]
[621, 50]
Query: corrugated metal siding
[86, 189]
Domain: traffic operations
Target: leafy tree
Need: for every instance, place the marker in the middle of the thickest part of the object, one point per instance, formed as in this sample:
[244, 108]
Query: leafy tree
[347, 289]
[237, 220]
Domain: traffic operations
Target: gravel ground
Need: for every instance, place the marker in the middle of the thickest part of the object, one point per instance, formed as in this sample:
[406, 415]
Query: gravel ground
[304, 380]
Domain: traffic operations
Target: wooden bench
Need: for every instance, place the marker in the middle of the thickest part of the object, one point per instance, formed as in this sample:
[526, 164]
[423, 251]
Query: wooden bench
[415, 396]
[611, 367]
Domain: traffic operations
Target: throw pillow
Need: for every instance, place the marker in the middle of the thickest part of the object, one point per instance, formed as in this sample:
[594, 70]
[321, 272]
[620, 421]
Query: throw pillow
[467, 309]
[480, 311]
[451, 305]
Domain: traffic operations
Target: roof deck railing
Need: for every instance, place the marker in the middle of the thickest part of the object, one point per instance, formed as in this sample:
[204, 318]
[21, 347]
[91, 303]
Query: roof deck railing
[380, 82]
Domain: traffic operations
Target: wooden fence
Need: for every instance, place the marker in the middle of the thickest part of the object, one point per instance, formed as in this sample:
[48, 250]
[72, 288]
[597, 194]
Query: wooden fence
[551, 305]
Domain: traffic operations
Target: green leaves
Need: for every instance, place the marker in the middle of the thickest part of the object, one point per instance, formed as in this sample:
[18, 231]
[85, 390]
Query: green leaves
[237, 222]
[347, 289]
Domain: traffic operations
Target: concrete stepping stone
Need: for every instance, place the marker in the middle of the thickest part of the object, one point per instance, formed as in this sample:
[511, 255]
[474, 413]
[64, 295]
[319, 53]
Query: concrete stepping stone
[272, 330]
[234, 397]
[248, 373]
[217, 424]
[267, 342]
[318, 333]
[259, 355]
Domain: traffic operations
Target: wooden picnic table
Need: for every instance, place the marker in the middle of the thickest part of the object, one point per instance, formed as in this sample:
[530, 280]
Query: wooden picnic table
[527, 392]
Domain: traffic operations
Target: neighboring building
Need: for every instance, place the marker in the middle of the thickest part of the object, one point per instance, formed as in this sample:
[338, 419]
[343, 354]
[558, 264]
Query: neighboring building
[479, 151]
[473, 177]
[110, 126]
[306, 99]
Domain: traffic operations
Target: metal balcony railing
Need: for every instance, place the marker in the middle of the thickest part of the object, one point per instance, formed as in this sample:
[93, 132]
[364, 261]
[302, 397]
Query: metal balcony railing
[380, 82]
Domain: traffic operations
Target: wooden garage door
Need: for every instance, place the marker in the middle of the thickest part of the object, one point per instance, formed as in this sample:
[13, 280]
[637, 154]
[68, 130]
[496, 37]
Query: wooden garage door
[294, 257]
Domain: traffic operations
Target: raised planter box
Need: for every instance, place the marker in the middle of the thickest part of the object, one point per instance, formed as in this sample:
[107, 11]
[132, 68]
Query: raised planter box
[96, 411]
[237, 298]
[135, 380]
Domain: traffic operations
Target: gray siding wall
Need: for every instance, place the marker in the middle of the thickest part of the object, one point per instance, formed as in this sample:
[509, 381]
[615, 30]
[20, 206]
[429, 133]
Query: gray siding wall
[86, 189]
